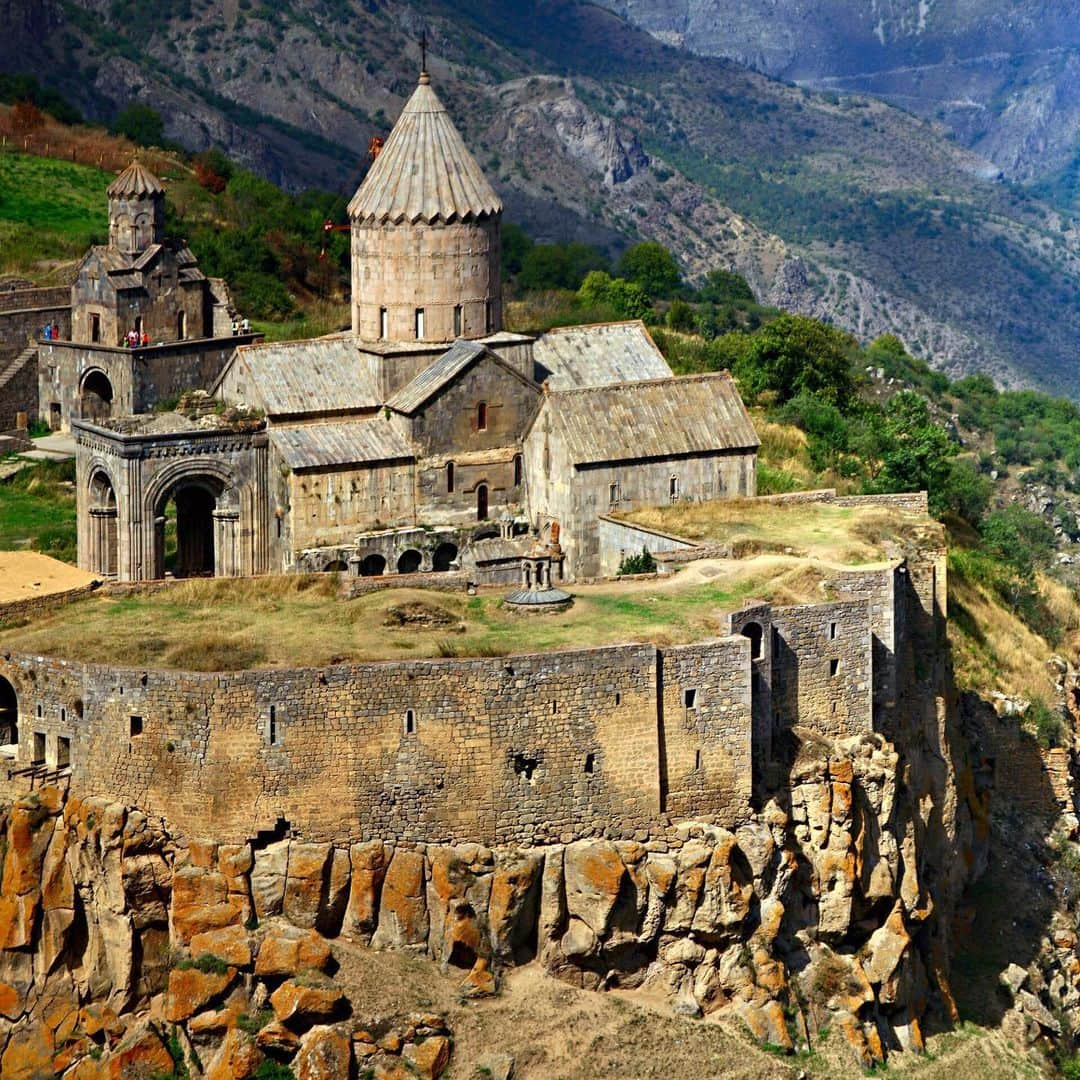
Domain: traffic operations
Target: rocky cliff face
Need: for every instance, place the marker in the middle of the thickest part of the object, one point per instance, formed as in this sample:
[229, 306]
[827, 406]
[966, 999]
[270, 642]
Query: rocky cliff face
[830, 906]
[1004, 77]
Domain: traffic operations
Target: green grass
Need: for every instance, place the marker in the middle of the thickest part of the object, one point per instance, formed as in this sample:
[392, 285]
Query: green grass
[49, 210]
[37, 510]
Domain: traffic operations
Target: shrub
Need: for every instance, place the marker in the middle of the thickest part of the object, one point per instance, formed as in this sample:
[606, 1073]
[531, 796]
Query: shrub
[1048, 724]
[140, 124]
[680, 316]
[651, 266]
[638, 564]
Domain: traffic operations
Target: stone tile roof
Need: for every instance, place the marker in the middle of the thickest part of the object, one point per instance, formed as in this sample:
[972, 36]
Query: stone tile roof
[350, 442]
[128, 271]
[322, 375]
[136, 180]
[425, 172]
[598, 355]
[692, 414]
[434, 377]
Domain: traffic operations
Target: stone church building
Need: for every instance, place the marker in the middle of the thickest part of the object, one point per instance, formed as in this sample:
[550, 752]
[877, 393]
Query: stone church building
[425, 439]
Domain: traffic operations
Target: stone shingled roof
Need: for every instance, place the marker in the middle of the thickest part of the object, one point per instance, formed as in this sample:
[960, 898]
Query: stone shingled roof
[425, 172]
[136, 180]
[437, 375]
[598, 355]
[354, 442]
[691, 414]
[321, 375]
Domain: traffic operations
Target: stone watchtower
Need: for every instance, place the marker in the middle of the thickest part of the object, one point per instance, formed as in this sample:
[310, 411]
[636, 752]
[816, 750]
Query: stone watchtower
[425, 235]
[136, 210]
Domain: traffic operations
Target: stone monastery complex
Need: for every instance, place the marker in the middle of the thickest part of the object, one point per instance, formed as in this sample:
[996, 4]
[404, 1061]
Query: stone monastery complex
[427, 445]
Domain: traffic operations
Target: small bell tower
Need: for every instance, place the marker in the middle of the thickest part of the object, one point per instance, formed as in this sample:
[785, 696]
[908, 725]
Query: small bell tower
[136, 210]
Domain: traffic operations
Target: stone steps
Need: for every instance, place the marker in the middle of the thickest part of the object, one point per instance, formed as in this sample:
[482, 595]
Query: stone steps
[16, 365]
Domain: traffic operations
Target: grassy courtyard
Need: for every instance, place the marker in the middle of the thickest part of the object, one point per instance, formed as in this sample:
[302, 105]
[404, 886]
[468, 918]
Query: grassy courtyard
[219, 625]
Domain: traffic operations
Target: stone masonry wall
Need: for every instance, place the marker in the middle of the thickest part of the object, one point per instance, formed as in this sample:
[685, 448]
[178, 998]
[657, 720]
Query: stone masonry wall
[822, 668]
[528, 748]
[619, 741]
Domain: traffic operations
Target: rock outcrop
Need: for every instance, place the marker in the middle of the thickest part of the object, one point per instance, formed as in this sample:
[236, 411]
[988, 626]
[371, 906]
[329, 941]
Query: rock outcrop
[827, 907]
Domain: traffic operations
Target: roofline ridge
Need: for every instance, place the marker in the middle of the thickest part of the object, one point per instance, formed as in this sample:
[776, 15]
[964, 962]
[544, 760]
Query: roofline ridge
[596, 325]
[693, 376]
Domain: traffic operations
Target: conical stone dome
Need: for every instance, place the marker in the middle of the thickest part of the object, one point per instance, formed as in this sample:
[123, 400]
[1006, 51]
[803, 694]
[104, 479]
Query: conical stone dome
[425, 234]
[136, 181]
[136, 210]
[425, 172]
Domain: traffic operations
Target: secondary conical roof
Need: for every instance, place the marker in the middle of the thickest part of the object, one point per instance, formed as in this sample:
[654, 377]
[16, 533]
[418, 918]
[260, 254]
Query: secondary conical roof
[136, 180]
[425, 172]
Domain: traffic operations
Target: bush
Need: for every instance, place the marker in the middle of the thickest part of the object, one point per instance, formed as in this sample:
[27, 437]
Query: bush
[1047, 723]
[638, 564]
[680, 317]
[140, 124]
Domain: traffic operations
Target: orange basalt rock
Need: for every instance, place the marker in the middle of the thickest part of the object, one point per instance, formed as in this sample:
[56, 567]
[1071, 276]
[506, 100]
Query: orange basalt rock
[230, 943]
[369, 862]
[237, 1058]
[403, 914]
[142, 1053]
[429, 1057]
[297, 1003]
[11, 1001]
[325, 1054]
[29, 1053]
[191, 990]
[287, 951]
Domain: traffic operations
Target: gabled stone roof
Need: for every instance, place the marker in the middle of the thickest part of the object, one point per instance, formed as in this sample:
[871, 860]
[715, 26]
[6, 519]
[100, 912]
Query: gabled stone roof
[353, 442]
[597, 355]
[660, 418]
[318, 376]
[413, 395]
[135, 181]
[425, 172]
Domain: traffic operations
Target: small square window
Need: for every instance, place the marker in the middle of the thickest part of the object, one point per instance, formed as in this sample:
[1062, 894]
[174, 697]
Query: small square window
[136, 726]
[834, 667]
[689, 698]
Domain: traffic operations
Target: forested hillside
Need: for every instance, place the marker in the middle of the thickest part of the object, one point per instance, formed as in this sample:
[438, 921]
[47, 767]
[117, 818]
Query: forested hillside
[838, 207]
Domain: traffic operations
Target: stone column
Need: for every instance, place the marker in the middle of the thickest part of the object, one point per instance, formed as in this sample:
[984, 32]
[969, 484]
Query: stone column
[226, 545]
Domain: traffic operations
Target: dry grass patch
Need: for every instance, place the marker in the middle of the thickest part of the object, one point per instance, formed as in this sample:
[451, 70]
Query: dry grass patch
[824, 531]
[992, 647]
[225, 625]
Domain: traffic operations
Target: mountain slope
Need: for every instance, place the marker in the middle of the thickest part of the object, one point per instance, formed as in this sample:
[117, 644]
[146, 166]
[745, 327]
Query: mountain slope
[1004, 77]
[593, 129]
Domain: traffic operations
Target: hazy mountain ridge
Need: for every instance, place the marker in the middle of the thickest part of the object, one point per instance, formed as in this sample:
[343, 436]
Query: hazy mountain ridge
[592, 129]
[1004, 77]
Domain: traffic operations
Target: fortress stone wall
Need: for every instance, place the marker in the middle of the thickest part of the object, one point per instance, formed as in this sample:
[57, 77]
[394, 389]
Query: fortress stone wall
[621, 742]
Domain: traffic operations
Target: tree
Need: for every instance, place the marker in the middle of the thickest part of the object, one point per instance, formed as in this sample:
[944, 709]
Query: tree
[1020, 539]
[794, 354]
[966, 491]
[651, 266]
[558, 266]
[725, 286]
[140, 124]
[917, 452]
[626, 300]
[516, 244]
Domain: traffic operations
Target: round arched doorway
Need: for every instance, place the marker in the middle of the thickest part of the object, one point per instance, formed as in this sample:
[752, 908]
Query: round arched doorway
[9, 714]
[184, 528]
[95, 396]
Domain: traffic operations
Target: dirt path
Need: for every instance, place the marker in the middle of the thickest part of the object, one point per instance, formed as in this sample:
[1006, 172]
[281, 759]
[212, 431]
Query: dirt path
[26, 574]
